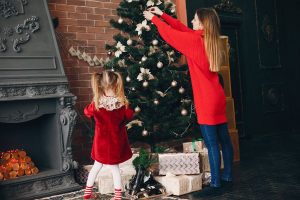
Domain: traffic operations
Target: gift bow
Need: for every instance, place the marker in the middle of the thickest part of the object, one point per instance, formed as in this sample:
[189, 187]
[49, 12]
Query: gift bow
[194, 143]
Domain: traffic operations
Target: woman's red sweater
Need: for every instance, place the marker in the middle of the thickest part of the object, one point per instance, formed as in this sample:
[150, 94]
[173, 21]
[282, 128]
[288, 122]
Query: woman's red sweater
[209, 96]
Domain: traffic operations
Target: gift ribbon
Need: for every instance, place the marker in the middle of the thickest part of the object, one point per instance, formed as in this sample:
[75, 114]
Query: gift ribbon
[194, 143]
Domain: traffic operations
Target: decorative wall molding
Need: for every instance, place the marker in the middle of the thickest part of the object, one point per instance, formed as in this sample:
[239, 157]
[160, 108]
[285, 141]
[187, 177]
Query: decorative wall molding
[28, 27]
[267, 34]
[273, 97]
[10, 8]
[19, 115]
[68, 120]
[228, 6]
[32, 91]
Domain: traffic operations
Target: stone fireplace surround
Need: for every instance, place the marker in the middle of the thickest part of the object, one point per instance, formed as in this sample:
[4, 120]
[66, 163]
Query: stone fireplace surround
[36, 107]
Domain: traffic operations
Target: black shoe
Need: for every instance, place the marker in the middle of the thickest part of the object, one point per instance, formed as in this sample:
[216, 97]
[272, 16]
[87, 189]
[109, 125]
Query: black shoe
[210, 191]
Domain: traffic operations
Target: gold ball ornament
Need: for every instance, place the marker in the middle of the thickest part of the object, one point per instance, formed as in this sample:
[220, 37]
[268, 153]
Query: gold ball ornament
[137, 109]
[109, 53]
[155, 42]
[174, 83]
[144, 58]
[145, 84]
[144, 133]
[129, 42]
[128, 79]
[120, 20]
[181, 90]
[159, 65]
[184, 112]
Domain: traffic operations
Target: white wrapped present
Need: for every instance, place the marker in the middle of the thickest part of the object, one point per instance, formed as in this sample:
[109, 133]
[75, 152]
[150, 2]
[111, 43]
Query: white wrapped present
[105, 179]
[179, 163]
[204, 161]
[181, 184]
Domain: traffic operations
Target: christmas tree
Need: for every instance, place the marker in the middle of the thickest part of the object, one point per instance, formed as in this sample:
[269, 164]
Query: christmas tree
[156, 85]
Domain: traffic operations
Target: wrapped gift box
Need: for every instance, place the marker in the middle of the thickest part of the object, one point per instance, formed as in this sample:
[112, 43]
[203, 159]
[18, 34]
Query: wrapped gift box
[179, 163]
[182, 184]
[106, 183]
[194, 146]
[204, 161]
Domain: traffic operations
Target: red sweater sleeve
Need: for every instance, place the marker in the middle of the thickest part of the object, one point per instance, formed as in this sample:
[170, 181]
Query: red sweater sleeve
[89, 110]
[181, 41]
[128, 114]
[175, 23]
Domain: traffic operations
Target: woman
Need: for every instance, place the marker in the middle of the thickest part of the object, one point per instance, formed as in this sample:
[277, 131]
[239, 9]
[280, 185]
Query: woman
[202, 49]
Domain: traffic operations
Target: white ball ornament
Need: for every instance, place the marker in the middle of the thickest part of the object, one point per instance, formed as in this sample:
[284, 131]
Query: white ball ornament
[174, 83]
[120, 20]
[159, 65]
[145, 84]
[155, 42]
[128, 79]
[156, 102]
[184, 112]
[137, 109]
[144, 133]
[144, 58]
[129, 42]
[181, 90]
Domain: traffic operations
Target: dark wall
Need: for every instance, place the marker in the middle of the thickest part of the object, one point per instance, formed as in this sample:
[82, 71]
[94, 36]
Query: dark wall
[264, 62]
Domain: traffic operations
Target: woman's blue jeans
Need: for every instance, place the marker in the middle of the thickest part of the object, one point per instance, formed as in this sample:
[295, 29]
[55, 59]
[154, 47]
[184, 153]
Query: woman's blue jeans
[214, 135]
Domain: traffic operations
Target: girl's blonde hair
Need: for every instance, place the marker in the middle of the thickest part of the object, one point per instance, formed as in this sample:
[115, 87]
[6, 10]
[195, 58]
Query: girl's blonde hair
[108, 80]
[211, 23]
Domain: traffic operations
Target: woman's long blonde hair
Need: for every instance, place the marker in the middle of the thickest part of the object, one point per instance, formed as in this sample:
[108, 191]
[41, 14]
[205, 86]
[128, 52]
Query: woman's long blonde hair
[211, 23]
[108, 80]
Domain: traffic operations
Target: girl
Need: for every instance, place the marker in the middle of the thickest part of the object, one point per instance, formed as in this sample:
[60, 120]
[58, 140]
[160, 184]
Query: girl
[110, 111]
[202, 50]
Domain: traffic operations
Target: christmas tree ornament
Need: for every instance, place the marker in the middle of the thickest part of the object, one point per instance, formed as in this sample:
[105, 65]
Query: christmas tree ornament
[128, 79]
[145, 74]
[144, 58]
[129, 42]
[144, 133]
[120, 49]
[142, 26]
[174, 83]
[137, 109]
[145, 84]
[120, 20]
[109, 53]
[155, 42]
[133, 89]
[159, 65]
[184, 112]
[181, 90]
[156, 102]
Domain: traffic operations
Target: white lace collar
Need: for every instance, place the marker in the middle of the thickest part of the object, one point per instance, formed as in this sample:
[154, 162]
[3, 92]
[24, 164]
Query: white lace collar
[110, 103]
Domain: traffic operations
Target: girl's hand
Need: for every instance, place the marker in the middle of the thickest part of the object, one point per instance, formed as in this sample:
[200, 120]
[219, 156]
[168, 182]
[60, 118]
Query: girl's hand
[155, 10]
[148, 15]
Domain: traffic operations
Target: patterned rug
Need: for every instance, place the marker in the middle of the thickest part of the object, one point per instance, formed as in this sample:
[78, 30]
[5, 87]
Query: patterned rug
[79, 195]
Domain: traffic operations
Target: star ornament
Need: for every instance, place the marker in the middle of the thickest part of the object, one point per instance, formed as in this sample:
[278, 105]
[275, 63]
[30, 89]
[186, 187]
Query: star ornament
[145, 74]
[120, 49]
[142, 26]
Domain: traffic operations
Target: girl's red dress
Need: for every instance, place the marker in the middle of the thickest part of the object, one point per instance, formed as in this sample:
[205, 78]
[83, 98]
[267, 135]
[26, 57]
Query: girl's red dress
[209, 96]
[110, 145]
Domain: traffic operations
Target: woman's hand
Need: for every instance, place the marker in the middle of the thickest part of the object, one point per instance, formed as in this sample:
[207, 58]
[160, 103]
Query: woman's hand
[155, 10]
[148, 15]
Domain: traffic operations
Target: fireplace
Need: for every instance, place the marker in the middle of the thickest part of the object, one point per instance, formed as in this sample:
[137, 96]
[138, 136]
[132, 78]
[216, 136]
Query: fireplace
[36, 107]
